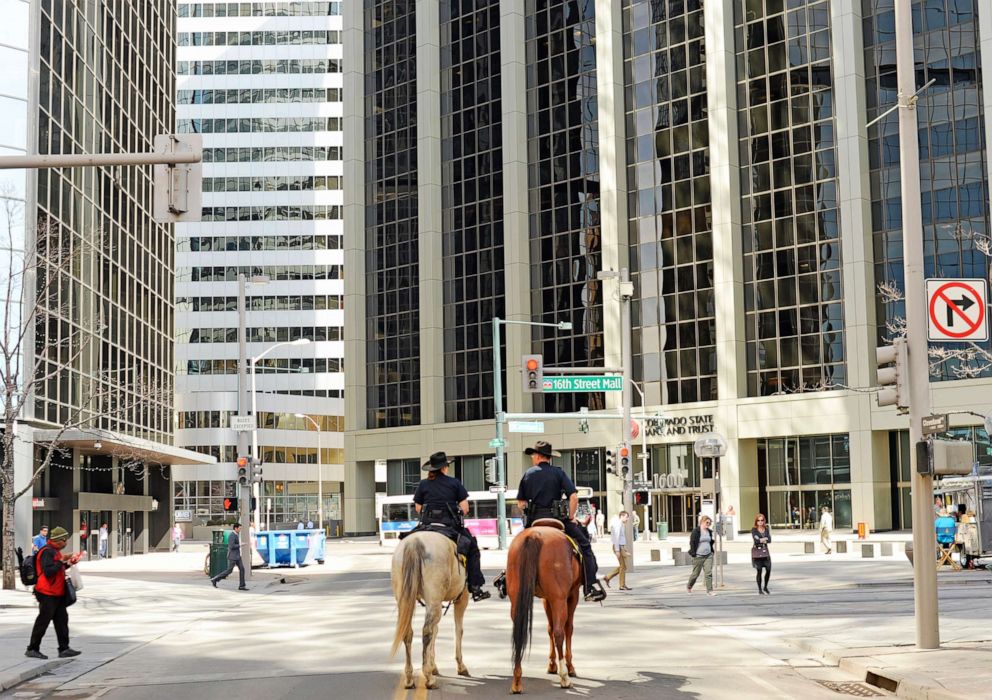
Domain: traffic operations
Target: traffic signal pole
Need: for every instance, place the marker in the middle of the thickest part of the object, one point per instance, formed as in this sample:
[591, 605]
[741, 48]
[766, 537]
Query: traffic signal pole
[924, 571]
[626, 292]
[244, 490]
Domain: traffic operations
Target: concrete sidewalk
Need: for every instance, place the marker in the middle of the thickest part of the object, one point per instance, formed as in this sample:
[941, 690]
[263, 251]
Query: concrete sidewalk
[16, 668]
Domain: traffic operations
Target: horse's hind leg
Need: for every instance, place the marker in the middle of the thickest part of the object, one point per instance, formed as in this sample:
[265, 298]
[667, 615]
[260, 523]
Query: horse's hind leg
[431, 620]
[573, 600]
[552, 662]
[460, 605]
[560, 618]
[408, 681]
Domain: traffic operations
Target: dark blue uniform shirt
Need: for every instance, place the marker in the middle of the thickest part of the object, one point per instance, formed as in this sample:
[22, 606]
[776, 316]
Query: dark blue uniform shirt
[544, 484]
[442, 490]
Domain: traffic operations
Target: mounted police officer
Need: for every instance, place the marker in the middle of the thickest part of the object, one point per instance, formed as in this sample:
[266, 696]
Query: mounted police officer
[442, 500]
[542, 493]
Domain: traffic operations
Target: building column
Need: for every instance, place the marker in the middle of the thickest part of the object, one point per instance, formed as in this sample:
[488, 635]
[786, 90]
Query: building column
[612, 180]
[429, 212]
[854, 201]
[985, 49]
[728, 281]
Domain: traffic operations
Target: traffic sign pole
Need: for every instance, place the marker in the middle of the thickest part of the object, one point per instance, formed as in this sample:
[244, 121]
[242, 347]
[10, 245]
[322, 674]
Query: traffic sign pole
[924, 571]
[499, 441]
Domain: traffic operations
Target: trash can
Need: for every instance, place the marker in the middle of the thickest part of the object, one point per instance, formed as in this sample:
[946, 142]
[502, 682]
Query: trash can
[218, 559]
[662, 530]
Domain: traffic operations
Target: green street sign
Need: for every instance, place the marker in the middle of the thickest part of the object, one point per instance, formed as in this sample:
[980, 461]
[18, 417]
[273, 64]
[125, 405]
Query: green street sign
[576, 383]
[497, 442]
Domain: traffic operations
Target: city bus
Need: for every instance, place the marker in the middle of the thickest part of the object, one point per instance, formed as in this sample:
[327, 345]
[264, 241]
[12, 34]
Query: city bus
[397, 515]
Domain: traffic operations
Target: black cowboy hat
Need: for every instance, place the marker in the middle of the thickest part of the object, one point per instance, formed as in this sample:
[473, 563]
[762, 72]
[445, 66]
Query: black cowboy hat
[437, 461]
[542, 448]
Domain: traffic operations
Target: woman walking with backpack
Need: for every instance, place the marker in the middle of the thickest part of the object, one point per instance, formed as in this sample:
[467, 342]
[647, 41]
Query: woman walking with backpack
[761, 558]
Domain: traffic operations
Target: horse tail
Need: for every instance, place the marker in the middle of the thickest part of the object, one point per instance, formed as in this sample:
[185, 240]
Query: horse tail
[523, 608]
[409, 590]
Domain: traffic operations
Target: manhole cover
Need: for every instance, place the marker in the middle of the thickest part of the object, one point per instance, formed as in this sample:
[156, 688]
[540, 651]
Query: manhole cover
[858, 690]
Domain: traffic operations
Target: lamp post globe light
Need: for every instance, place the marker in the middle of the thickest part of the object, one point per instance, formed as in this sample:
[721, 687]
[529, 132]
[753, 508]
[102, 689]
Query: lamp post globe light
[320, 475]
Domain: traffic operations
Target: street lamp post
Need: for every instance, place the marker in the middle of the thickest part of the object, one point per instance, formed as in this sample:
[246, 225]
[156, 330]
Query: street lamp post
[498, 400]
[254, 405]
[320, 473]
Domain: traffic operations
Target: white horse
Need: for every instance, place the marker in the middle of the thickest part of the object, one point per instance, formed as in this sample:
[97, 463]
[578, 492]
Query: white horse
[426, 568]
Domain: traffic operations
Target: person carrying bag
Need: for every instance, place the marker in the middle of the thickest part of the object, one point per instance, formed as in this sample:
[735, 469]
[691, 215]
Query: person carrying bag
[761, 558]
[55, 592]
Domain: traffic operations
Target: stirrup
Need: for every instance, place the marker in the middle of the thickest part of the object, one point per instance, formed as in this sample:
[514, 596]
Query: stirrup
[479, 594]
[595, 593]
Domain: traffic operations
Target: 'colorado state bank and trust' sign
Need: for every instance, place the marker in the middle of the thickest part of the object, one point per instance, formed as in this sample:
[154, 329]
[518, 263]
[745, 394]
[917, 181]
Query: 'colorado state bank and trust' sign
[675, 426]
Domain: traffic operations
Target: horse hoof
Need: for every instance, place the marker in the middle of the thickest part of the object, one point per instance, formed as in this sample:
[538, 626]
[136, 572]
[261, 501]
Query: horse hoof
[515, 690]
[572, 673]
[464, 672]
[409, 685]
[553, 669]
[430, 685]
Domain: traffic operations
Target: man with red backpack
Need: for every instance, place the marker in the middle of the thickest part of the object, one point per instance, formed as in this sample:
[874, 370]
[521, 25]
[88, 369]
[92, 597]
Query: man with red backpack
[50, 591]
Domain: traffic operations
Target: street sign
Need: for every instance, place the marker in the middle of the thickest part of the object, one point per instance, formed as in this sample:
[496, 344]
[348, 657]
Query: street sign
[497, 442]
[525, 426]
[956, 310]
[183, 516]
[934, 424]
[497, 488]
[242, 424]
[578, 383]
[641, 485]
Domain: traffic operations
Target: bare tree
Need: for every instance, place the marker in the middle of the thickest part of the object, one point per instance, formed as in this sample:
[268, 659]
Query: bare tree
[34, 355]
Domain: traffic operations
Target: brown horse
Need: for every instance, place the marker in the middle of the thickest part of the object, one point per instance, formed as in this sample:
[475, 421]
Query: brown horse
[541, 563]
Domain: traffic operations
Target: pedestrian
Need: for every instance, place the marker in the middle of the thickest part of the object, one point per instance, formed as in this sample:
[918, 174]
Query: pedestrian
[309, 524]
[84, 534]
[177, 537]
[600, 521]
[701, 550]
[938, 504]
[826, 527]
[50, 592]
[103, 536]
[233, 559]
[591, 523]
[39, 540]
[637, 526]
[618, 533]
[299, 524]
[761, 558]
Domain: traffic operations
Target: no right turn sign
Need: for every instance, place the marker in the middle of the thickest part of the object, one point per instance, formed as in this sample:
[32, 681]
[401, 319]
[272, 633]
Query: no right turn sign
[957, 310]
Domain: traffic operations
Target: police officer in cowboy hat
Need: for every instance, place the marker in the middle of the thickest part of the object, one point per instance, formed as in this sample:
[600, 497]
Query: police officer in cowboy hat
[543, 485]
[443, 499]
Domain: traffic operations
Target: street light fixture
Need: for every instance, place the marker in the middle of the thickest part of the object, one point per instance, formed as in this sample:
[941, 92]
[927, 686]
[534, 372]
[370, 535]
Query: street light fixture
[320, 472]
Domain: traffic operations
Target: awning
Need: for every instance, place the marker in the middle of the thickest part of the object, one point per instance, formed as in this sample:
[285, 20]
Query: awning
[105, 442]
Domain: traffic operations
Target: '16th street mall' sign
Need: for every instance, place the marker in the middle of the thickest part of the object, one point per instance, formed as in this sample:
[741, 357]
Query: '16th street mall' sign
[582, 383]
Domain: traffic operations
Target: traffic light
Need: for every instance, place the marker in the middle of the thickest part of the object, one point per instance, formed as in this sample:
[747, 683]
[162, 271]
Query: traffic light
[893, 380]
[640, 498]
[623, 453]
[243, 463]
[491, 470]
[533, 374]
[611, 461]
[256, 471]
[230, 505]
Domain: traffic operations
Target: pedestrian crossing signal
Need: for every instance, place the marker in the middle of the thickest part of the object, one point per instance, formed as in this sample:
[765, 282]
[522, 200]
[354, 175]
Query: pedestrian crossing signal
[640, 498]
[230, 505]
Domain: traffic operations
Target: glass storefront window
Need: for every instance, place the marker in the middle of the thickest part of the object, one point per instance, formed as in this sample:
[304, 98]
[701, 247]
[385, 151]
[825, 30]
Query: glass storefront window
[798, 474]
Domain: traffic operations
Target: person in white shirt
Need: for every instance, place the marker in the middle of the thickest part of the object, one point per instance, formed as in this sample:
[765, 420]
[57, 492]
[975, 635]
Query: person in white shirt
[618, 534]
[177, 537]
[309, 524]
[103, 538]
[591, 527]
[600, 521]
[826, 527]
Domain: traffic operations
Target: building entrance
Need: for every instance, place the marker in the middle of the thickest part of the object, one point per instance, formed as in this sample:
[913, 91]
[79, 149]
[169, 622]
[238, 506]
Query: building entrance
[125, 533]
[679, 510]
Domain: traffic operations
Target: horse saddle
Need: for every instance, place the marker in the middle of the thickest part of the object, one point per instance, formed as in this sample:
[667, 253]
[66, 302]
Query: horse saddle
[557, 524]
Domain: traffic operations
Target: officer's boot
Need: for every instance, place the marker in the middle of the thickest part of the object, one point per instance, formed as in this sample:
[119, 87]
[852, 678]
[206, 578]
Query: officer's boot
[478, 593]
[593, 589]
[499, 583]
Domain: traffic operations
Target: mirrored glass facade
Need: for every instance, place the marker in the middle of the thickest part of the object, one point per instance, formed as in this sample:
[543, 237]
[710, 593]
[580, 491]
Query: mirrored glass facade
[792, 256]
[670, 229]
[471, 202]
[564, 192]
[953, 174]
[106, 286]
[392, 292]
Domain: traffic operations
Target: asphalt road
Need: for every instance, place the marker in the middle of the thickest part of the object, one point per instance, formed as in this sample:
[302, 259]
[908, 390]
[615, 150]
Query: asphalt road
[162, 632]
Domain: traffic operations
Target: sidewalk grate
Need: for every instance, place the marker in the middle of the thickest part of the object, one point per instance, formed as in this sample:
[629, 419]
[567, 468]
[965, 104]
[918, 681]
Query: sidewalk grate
[858, 690]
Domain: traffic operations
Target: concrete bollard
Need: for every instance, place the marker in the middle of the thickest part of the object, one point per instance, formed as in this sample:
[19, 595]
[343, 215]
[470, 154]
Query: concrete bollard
[841, 546]
[867, 551]
[886, 549]
[655, 555]
[810, 547]
[682, 559]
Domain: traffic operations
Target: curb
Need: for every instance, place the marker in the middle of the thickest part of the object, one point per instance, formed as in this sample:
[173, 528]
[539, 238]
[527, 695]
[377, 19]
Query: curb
[902, 684]
[26, 671]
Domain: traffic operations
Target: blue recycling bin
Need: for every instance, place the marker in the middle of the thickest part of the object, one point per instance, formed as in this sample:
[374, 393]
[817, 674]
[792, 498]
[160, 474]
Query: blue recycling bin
[290, 547]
